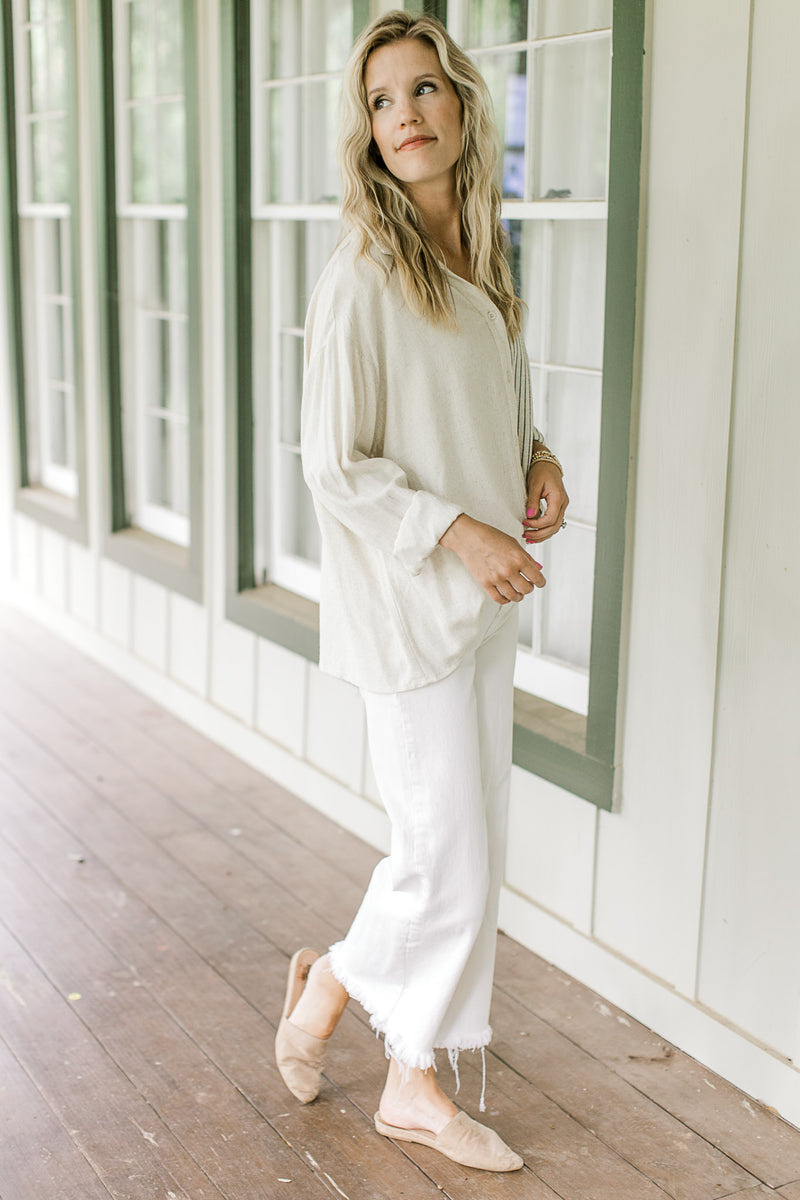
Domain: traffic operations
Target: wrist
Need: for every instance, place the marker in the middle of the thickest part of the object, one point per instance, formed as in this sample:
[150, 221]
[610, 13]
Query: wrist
[453, 536]
[541, 454]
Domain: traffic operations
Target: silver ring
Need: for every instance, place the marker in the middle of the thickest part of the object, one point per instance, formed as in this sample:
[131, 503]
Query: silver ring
[564, 524]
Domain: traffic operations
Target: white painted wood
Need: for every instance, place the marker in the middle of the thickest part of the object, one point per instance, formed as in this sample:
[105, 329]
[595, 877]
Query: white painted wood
[150, 621]
[650, 856]
[25, 560]
[82, 574]
[750, 966]
[233, 670]
[336, 728]
[551, 843]
[54, 567]
[188, 643]
[281, 691]
[115, 602]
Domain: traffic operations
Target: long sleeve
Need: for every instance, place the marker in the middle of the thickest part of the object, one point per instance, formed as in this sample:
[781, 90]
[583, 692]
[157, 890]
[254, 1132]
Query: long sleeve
[368, 494]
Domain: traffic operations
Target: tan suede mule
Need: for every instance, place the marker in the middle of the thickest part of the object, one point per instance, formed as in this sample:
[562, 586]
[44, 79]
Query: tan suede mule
[299, 1055]
[462, 1139]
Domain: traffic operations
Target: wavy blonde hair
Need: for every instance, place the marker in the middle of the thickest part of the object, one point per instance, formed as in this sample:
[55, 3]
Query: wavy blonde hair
[375, 205]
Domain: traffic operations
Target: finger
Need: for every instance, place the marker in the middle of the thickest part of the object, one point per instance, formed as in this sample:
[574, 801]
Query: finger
[506, 588]
[522, 584]
[497, 595]
[552, 517]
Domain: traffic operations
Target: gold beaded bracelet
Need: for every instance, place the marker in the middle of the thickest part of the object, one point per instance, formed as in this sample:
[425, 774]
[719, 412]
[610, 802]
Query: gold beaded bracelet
[545, 456]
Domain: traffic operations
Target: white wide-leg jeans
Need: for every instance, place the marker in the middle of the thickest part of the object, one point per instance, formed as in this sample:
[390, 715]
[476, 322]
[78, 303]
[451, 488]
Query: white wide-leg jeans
[419, 956]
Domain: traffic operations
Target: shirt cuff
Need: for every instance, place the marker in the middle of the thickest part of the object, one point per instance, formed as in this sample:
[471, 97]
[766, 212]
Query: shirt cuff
[425, 520]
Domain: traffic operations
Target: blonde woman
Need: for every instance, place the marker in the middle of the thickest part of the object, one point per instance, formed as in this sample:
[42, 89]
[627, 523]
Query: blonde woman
[427, 476]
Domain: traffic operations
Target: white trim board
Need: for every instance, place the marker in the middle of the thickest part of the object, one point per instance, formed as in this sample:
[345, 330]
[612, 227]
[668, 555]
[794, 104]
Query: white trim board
[695, 1030]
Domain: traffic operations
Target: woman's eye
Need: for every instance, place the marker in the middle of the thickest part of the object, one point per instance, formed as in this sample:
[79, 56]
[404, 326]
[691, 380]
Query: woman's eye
[426, 87]
[380, 102]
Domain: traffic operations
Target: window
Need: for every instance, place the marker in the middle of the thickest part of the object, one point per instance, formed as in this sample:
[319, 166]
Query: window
[151, 210]
[298, 51]
[40, 68]
[570, 201]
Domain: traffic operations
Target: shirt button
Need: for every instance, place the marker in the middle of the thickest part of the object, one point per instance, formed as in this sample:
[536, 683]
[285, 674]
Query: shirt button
[492, 314]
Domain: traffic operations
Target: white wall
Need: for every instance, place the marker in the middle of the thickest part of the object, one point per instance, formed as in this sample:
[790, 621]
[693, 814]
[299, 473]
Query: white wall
[679, 906]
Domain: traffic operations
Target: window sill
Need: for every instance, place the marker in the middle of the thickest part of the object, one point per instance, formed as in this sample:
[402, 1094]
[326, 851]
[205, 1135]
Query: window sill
[64, 514]
[175, 567]
[280, 616]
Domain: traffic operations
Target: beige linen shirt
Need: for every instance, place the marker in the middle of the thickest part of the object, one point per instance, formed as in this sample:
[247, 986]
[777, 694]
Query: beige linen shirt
[405, 425]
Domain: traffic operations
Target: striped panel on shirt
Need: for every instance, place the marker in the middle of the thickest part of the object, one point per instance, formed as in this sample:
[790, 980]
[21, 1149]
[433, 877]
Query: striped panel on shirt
[527, 432]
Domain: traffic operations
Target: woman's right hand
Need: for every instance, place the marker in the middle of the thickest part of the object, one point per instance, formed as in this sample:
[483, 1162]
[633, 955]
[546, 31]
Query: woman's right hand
[499, 564]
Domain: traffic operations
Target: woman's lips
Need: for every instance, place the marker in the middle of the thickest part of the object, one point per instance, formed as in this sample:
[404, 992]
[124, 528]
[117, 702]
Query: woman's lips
[413, 143]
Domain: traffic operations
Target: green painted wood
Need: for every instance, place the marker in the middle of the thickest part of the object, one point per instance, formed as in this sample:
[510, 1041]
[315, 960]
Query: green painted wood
[618, 375]
[235, 72]
[8, 199]
[590, 778]
[105, 199]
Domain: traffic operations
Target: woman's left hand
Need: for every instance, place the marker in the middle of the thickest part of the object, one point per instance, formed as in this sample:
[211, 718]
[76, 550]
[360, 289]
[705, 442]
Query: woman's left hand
[545, 487]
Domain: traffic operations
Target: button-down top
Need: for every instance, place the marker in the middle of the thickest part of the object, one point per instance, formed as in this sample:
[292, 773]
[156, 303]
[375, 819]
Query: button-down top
[405, 425]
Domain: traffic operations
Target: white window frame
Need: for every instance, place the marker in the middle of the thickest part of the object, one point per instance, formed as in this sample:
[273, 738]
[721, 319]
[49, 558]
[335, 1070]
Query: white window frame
[539, 674]
[157, 519]
[33, 214]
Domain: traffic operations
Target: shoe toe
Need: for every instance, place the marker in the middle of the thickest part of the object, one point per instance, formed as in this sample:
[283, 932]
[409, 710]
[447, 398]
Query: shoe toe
[299, 1057]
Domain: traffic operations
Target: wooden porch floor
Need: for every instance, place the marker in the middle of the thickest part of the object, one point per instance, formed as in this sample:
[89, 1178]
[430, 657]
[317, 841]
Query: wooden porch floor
[152, 888]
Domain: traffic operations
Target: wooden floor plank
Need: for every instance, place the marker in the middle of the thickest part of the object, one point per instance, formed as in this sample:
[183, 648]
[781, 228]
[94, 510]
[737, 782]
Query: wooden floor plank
[658, 1151]
[223, 1024]
[39, 1159]
[664, 1149]
[200, 877]
[210, 1117]
[117, 1131]
[108, 834]
[755, 1137]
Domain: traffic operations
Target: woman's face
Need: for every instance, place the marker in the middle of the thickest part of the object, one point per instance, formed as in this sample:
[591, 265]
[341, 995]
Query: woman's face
[416, 112]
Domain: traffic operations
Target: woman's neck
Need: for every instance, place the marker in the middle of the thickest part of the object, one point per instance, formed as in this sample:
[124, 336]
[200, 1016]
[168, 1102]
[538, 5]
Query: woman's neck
[441, 217]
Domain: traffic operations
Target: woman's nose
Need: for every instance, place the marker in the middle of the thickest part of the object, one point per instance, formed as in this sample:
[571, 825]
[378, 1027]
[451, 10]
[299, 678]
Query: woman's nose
[408, 113]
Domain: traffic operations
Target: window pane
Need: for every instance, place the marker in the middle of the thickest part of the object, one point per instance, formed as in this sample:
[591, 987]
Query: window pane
[37, 68]
[573, 425]
[567, 599]
[144, 149]
[140, 48]
[572, 105]
[505, 76]
[291, 387]
[158, 451]
[572, 16]
[169, 48]
[299, 532]
[308, 36]
[58, 433]
[56, 361]
[578, 293]
[497, 22]
[56, 66]
[322, 130]
[283, 117]
[172, 152]
[40, 151]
